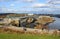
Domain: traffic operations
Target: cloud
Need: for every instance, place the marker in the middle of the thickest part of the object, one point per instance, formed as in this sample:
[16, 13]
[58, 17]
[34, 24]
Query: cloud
[54, 1]
[12, 5]
[0, 0]
[40, 5]
[5, 10]
[42, 10]
[28, 0]
[11, 10]
[49, 7]
[45, 5]
[5, 0]
[17, 0]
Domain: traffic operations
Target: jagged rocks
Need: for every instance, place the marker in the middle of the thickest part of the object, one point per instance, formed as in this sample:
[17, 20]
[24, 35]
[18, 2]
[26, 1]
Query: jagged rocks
[31, 22]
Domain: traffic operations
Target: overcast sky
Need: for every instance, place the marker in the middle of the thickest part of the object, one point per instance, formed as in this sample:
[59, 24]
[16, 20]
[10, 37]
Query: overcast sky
[31, 6]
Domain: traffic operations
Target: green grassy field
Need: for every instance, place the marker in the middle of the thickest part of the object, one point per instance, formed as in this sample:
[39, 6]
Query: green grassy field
[26, 36]
[14, 35]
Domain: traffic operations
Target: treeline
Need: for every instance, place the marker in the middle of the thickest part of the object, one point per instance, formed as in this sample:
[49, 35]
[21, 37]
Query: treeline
[52, 15]
[3, 15]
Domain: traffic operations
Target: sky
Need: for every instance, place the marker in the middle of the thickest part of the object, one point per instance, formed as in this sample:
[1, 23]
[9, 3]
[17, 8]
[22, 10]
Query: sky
[30, 6]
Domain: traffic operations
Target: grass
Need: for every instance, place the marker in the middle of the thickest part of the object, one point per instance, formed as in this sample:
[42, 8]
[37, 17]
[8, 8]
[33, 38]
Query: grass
[26, 36]
[13, 35]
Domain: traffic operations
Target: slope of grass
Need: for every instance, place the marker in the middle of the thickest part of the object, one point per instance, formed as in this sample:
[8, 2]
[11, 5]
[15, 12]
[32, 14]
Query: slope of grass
[26, 36]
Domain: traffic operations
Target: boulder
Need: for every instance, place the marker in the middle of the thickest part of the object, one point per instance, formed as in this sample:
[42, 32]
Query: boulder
[43, 21]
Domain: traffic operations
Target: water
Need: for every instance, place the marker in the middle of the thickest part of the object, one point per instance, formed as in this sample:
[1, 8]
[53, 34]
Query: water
[55, 24]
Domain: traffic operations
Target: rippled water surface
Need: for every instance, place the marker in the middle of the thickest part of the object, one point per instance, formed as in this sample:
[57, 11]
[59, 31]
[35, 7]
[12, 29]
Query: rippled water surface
[55, 24]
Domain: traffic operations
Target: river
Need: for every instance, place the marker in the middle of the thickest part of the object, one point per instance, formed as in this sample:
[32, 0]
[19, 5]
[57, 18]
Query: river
[55, 24]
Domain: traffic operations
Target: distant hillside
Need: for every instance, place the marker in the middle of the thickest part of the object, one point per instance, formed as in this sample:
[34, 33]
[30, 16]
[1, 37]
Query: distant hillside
[3, 15]
[52, 15]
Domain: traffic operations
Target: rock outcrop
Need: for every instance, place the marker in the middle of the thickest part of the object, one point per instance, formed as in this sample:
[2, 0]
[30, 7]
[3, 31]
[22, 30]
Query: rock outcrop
[31, 22]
